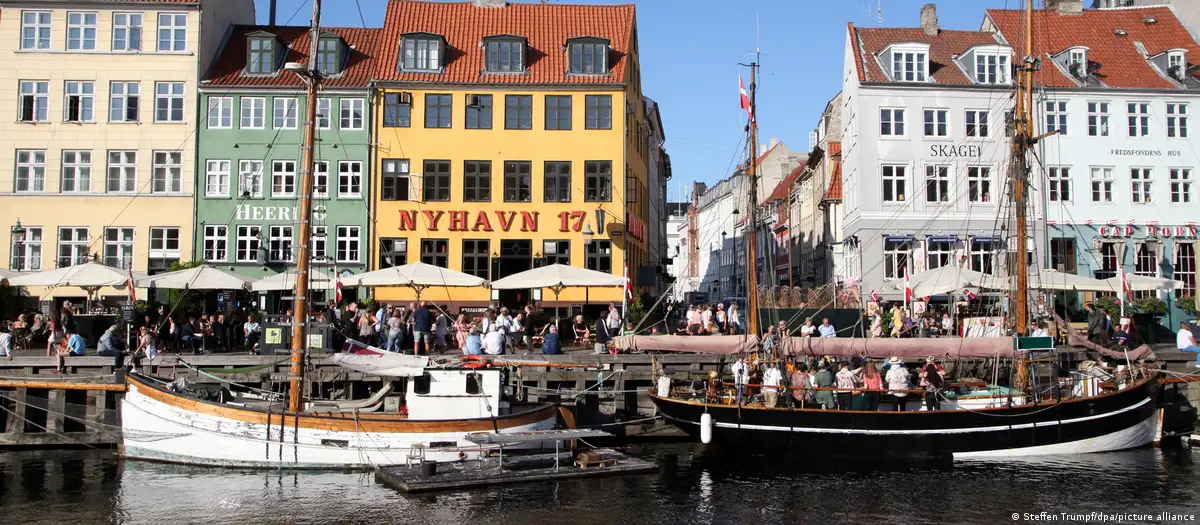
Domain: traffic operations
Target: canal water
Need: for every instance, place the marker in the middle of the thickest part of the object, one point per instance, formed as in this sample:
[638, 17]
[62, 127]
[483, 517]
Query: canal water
[692, 487]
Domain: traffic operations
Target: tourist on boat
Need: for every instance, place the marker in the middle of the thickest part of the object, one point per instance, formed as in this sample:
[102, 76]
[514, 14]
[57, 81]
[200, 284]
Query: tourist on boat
[603, 335]
[771, 380]
[802, 382]
[422, 322]
[473, 341]
[694, 317]
[494, 341]
[109, 344]
[947, 325]
[826, 329]
[876, 324]
[1096, 323]
[1122, 337]
[6, 341]
[808, 328]
[872, 381]
[550, 342]
[782, 329]
[395, 326]
[898, 381]
[932, 382]
[846, 383]
[770, 340]
[741, 373]
[706, 320]
[720, 318]
[823, 381]
[1040, 331]
[1186, 342]
[253, 331]
[735, 319]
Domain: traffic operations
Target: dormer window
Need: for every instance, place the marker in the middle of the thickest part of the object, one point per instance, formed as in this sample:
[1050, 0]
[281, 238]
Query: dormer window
[991, 68]
[910, 64]
[588, 56]
[421, 52]
[329, 55]
[1177, 65]
[505, 54]
[1077, 63]
[262, 55]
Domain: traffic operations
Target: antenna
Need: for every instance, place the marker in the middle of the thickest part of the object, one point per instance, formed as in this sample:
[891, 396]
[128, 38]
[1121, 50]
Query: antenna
[877, 10]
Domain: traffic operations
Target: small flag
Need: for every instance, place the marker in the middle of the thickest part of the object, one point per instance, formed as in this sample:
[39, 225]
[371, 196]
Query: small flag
[1089, 222]
[968, 294]
[628, 284]
[132, 290]
[745, 98]
[908, 292]
[874, 296]
[1152, 223]
[1111, 222]
[1132, 222]
[337, 285]
[1052, 223]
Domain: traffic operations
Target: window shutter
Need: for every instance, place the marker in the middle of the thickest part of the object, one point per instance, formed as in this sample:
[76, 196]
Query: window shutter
[495, 264]
[414, 187]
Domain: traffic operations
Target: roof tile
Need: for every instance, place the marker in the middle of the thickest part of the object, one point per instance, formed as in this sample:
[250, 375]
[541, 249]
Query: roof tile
[942, 49]
[229, 68]
[784, 188]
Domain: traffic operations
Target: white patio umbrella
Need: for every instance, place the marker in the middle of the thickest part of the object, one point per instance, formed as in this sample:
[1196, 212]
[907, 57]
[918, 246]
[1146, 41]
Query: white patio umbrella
[9, 274]
[203, 277]
[556, 277]
[1144, 283]
[87, 275]
[1048, 279]
[944, 280]
[317, 280]
[417, 276]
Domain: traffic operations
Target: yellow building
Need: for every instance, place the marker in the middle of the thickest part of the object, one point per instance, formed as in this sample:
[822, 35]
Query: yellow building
[505, 135]
[97, 120]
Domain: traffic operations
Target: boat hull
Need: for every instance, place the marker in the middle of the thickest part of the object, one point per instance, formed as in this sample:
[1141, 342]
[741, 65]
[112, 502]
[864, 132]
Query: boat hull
[1115, 421]
[161, 426]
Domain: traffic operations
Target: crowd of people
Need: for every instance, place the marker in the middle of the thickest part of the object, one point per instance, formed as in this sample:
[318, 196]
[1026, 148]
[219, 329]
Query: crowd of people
[824, 383]
[711, 319]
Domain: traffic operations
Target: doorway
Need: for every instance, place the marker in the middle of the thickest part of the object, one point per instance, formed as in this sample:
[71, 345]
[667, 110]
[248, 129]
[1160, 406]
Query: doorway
[515, 256]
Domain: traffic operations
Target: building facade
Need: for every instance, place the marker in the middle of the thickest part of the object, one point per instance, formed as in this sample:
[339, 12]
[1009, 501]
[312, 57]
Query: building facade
[510, 136]
[815, 236]
[249, 151]
[656, 274]
[96, 125]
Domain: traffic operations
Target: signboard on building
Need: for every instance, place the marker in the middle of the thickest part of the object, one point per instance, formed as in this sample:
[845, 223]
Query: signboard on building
[490, 221]
[1151, 232]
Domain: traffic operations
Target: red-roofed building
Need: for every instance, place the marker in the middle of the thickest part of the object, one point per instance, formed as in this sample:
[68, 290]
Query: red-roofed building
[817, 224]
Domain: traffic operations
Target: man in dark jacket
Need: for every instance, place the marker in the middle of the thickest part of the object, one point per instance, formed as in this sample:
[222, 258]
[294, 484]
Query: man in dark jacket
[1095, 323]
[602, 335]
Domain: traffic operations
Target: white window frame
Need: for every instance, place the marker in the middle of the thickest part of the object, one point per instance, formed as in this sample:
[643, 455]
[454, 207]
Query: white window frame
[122, 247]
[944, 256]
[1139, 118]
[1177, 119]
[1141, 185]
[76, 247]
[39, 29]
[216, 178]
[1177, 59]
[249, 234]
[283, 115]
[28, 255]
[976, 122]
[85, 91]
[991, 68]
[1057, 115]
[1102, 184]
[1077, 56]
[1058, 184]
[899, 180]
[172, 26]
[253, 113]
[123, 96]
[346, 114]
[324, 113]
[126, 171]
[984, 260]
[249, 176]
[893, 118]
[350, 175]
[170, 97]
[220, 113]
[167, 173]
[980, 178]
[320, 179]
[938, 118]
[39, 90]
[160, 238]
[423, 52]
[1098, 118]
[34, 170]
[939, 176]
[1181, 185]
[281, 178]
[352, 253]
[77, 164]
[279, 244]
[131, 25]
[319, 245]
[216, 242]
[84, 22]
[910, 65]
[899, 253]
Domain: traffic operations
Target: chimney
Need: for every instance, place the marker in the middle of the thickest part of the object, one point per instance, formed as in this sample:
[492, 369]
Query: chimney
[491, 3]
[1066, 7]
[929, 23]
[774, 141]
[762, 148]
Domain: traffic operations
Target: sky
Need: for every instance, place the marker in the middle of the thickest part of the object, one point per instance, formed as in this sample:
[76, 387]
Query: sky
[691, 51]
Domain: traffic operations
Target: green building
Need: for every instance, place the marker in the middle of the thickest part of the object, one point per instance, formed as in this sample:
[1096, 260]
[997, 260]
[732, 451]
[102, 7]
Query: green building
[249, 152]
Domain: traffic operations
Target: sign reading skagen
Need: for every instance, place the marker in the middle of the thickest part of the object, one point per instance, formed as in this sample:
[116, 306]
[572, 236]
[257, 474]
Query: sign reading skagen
[1144, 153]
[950, 150]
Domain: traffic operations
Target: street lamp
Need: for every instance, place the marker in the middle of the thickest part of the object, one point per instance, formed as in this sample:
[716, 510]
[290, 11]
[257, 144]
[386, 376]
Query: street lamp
[18, 233]
[588, 234]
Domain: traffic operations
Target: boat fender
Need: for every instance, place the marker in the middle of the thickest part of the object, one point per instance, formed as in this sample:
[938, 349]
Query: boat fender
[706, 427]
[664, 386]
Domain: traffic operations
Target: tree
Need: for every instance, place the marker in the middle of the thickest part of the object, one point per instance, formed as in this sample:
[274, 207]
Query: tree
[1187, 303]
[1150, 305]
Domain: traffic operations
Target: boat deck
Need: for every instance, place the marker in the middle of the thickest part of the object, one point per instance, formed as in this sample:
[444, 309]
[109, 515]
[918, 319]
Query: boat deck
[519, 469]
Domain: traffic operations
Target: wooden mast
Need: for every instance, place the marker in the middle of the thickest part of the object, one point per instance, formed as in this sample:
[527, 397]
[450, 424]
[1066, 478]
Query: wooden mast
[1023, 140]
[312, 80]
[752, 205]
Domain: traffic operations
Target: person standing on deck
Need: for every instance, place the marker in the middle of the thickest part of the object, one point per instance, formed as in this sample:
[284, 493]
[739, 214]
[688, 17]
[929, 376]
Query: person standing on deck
[931, 380]
[740, 373]
[771, 381]
[826, 329]
[802, 382]
[5, 341]
[1096, 322]
[735, 319]
[846, 381]
[898, 382]
[721, 319]
[1186, 342]
[422, 322]
[603, 335]
[823, 381]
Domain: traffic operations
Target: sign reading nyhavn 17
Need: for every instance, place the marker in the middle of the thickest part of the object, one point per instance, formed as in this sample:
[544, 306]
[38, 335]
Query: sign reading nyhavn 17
[486, 221]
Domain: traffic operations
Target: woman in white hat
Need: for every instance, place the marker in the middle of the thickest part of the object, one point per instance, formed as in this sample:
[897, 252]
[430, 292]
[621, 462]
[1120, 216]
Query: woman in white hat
[898, 381]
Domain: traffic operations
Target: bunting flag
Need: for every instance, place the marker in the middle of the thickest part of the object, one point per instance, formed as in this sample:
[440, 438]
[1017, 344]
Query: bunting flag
[628, 284]
[908, 292]
[1132, 222]
[1089, 222]
[337, 285]
[1052, 223]
[745, 99]
[1125, 291]
[1111, 222]
[874, 296]
[132, 290]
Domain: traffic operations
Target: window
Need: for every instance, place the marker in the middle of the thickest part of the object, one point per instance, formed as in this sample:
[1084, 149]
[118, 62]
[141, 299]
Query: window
[1145, 263]
[505, 56]
[1139, 119]
[1185, 268]
[35, 101]
[908, 67]
[172, 32]
[436, 180]
[127, 32]
[283, 178]
[938, 253]
[279, 244]
[31, 171]
[168, 101]
[81, 31]
[123, 102]
[891, 122]
[479, 112]
[477, 181]
[351, 113]
[1097, 119]
[977, 123]
[1108, 260]
[1177, 65]
[557, 252]
[1056, 117]
[1062, 255]
[250, 181]
[435, 252]
[983, 254]
[72, 246]
[253, 112]
[597, 181]
[164, 242]
[324, 110]
[318, 245]
[475, 257]
[392, 252]
[937, 183]
[1102, 185]
[893, 183]
[320, 179]
[935, 123]
[421, 53]
[262, 56]
[438, 110]
[122, 172]
[350, 178]
[1058, 184]
[557, 181]
[35, 29]
[598, 111]
[395, 185]
[558, 112]
[220, 112]
[397, 110]
[1181, 184]
[215, 242]
[1077, 63]
[216, 178]
[168, 172]
[1142, 185]
[599, 256]
[81, 101]
[27, 256]
[285, 113]
[247, 243]
[896, 253]
[1177, 120]
[517, 182]
[589, 57]
[979, 184]
[76, 171]
[991, 68]
[118, 247]
[329, 56]
[518, 111]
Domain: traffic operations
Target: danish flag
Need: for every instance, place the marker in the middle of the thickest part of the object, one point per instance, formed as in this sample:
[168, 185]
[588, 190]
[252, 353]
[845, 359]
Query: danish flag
[628, 284]
[132, 291]
[908, 292]
[337, 285]
[969, 294]
[1111, 222]
[874, 296]
[745, 99]
[1089, 222]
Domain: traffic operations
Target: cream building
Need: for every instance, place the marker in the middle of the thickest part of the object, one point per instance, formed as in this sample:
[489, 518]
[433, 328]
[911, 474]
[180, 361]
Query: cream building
[97, 119]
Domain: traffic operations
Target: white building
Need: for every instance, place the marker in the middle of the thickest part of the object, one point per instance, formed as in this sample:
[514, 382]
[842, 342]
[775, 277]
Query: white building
[676, 230]
[659, 173]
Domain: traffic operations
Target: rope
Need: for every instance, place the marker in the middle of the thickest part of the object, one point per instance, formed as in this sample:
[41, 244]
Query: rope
[622, 423]
[270, 394]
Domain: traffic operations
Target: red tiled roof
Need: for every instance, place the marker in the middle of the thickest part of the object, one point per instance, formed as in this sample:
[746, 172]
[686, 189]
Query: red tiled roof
[835, 185]
[942, 49]
[782, 190]
[854, 46]
[229, 68]
[546, 27]
[761, 158]
[1120, 63]
[835, 148]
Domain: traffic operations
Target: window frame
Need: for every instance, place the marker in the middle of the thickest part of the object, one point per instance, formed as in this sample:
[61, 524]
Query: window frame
[35, 182]
[1056, 116]
[436, 180]
[124, 179]
[498, 54]
[976, 123]
[1177, 119]
[596, 256]
[434, 53]
[27, 256]
[281, 104]
[430, 253]
[897, 257]
[991, 68]
[1141, 185]
[397, 179]
[476, 258]
[171, 102]
[1180, 180]
[1058, 178]
[597, 111]
[85, 90]
[121, 246]
[552, 252]
[478, 116]
[327, 67]
[172, 182]
[1184, 269]
[584, 51]
[279, 179]
[256, 189]
[910, 65]
[80, 170]
[937, 121]
[518, 182]
[477, 183]
[78, 242]
[280, 239]
[161, 235]
[38, 91]
[324, 114]
[261, 61]
[246, 112]
[43, 30]
[1102, 185]
[595, 188]
[175, 32]
[1098, 118]
[898, 179]
[895, 122]
[346, 110]
[517, 114]
[556, 114]
[387, 248]
[440, 108]
[124, 97]
[252, 246]
[220, 189]
[937, 178]
[979, 185]
[223, 106]
[353, 179]
[1139, 121]
[558, 191]
[320, 179]
[396, 118]
[132, 32]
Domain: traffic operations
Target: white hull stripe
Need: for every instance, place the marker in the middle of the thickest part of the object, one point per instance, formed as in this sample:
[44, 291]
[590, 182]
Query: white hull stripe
[1139, 435]
[929, 431]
